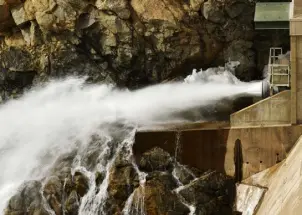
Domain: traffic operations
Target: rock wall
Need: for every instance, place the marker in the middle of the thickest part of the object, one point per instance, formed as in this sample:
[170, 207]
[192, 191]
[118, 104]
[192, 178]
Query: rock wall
[129, 42]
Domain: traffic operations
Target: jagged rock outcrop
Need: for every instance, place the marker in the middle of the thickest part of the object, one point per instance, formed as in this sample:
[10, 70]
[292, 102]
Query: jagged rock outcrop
[183, 173]
[156, 160]
[158, 197]
[160, 193]
[129, 42]
[56, 195]
[27, 200]
[211, 193]
[65, 194]
[123, 179]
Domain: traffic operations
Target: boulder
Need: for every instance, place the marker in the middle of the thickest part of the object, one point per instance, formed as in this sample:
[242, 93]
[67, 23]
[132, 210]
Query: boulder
[72, 204]
[53, 192]
[122, 182]
[157, 197]
[156, 159]
[81, 183]
[165, 178]
[183, 173]
[62, 166]
[212, 193]
[27, 200]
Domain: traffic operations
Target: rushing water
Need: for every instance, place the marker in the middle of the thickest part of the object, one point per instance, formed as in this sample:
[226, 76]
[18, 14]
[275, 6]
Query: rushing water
[63, 115]
[94, 203]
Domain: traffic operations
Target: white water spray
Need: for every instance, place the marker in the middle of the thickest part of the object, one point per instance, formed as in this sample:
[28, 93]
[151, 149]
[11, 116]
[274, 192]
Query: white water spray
[63, 115]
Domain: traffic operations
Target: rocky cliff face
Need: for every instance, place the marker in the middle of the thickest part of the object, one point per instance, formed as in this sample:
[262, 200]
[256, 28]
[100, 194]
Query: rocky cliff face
[129, 42]
[169, 188]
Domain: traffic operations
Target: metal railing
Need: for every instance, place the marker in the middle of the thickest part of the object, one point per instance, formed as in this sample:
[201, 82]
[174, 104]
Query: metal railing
[278, 69]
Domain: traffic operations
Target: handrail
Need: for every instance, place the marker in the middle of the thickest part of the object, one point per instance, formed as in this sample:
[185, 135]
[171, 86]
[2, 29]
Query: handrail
[277, 69]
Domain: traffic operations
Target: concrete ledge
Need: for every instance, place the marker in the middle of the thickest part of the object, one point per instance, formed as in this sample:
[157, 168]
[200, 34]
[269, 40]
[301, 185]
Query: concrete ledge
[274, 110]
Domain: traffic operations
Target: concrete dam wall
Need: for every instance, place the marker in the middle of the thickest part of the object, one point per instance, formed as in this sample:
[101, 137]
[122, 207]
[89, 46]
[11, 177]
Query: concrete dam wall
[238, 152]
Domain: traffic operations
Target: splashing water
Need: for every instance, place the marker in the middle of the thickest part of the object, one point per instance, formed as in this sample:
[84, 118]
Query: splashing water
[181, 186]
[135, 204]
[63, 115]
[136, 207]
[176, 174]
[177, 144]
[94, 203]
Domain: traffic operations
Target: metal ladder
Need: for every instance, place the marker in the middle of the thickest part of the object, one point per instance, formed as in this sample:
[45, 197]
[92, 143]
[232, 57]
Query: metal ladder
[279, 73]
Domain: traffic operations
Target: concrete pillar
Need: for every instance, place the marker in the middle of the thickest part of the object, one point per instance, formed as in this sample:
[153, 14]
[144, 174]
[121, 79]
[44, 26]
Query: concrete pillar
[296, 61]
[297, 8]
[296, 69]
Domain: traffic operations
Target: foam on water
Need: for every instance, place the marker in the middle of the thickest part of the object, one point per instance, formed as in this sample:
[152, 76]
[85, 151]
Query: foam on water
[63, 115]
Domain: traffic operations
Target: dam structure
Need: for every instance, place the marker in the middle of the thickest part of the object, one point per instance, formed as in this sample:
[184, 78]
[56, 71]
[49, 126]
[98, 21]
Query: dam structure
[260, 144]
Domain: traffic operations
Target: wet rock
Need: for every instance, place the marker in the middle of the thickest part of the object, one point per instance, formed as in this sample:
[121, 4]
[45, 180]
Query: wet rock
[72, 204]
[94, 155]
[156, 159]
[53, 191]
[121, 184]
[164, 178]
[65, 160]
[123, 159]
[68, 185]
[81, 184]
[183, 174]
[158, 198]
[99, 178]
[212, 193]
[27, 200]
[111, 207]
[65, 192]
